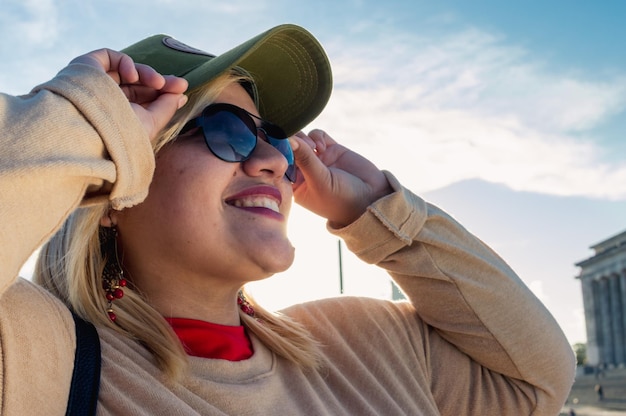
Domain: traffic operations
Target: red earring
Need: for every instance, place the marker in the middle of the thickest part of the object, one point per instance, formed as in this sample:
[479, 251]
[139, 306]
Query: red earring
[244, 305]
[112, 275]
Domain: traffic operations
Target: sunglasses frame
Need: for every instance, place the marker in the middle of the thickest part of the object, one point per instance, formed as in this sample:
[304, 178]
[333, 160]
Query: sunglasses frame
[267, 132]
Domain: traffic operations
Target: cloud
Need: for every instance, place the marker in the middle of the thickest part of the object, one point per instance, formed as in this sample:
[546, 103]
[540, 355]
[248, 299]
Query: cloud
[30, 30]
[439, 110]
[34, 21]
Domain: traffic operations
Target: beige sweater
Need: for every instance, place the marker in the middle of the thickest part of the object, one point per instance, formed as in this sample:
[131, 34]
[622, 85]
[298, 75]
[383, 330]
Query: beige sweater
[473, 340]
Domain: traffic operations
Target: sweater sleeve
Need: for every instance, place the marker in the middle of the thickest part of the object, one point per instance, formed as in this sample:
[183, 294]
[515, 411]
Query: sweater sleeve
[72, 140]
[494, 349]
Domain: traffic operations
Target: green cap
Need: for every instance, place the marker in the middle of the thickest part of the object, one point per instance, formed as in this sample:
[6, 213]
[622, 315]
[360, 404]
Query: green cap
[290, 69]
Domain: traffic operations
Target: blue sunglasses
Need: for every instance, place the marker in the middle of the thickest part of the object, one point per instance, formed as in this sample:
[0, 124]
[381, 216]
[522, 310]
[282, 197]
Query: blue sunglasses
[231, 134]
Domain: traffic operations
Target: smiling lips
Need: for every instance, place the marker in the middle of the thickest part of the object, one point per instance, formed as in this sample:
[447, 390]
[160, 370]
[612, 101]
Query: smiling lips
[266, 197]
[256, 202]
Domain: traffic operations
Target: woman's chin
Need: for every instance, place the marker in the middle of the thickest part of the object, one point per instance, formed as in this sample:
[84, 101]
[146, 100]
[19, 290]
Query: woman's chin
[277, 263]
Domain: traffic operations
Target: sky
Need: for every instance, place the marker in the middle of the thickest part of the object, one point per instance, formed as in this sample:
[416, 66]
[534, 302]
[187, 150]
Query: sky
[508, 115]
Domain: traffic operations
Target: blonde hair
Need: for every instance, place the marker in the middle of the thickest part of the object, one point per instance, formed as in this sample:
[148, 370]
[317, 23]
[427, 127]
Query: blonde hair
[70, 265]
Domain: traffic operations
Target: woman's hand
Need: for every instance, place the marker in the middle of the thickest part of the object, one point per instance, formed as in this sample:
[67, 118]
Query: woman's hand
[333, 181]
[153, 97]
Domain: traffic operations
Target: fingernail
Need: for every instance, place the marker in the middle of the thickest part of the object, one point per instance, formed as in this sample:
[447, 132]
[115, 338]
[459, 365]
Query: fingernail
[294, 143]
[182, 100]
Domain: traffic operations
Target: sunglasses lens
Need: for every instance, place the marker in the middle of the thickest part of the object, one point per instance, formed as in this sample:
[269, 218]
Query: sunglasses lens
[231, 134]
[283, 146]
[228, 137]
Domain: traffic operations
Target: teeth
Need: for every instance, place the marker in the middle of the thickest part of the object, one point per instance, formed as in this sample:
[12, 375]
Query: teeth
[257, 202]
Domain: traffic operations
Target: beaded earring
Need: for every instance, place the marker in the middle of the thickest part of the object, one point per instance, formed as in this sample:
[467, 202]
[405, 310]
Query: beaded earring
[112, 275]
[244, 305]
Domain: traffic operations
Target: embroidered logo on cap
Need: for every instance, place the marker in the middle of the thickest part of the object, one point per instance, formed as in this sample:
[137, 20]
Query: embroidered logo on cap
[179, 46]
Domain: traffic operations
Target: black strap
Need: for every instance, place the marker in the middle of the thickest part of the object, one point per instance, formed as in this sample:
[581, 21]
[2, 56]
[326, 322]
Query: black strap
[86, 376]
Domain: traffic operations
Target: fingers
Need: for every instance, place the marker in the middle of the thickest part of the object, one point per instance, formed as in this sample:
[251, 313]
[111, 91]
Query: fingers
[174, 84]
[312, 154]
[306, 139]
[169, 97]
[149, 77]
[304, 150]
[146, 75]
[163, 108]
[304, 153]
[321, 140]
[141, 94]
[125, 71]
[125, 67]
[117, 65]
[153, 97]
[317, 140]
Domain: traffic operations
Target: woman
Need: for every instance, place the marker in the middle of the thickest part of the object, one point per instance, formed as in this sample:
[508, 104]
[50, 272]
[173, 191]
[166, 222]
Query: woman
[159, 208]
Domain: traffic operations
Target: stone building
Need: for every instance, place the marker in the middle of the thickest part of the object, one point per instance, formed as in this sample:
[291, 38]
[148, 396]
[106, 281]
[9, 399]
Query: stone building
[603, 281]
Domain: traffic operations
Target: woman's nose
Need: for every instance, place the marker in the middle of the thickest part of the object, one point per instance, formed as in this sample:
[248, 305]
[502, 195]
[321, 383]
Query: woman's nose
[265, 159]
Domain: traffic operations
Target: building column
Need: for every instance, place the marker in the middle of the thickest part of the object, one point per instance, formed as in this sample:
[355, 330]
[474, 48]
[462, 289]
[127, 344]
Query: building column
[617, 325]
[622, 284]
[590, 304]
[608, 353]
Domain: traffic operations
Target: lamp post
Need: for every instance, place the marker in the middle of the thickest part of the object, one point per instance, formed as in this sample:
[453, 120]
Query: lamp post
[340, 268]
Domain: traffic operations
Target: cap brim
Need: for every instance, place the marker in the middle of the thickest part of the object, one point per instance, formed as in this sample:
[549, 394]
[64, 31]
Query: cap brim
[288, 65]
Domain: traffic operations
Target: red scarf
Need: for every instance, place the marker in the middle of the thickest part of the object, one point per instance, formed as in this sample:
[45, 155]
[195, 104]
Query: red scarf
[209, 340]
